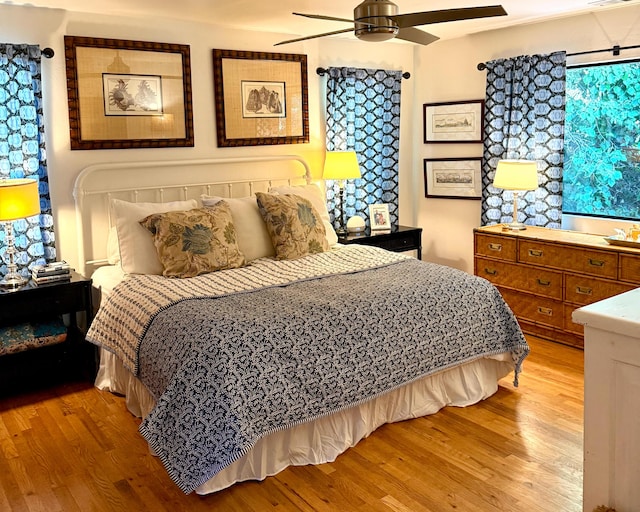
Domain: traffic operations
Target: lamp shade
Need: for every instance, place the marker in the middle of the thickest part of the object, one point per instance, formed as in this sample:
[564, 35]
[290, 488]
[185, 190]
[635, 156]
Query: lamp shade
[516, 175]
[341, 165]
[19, 198]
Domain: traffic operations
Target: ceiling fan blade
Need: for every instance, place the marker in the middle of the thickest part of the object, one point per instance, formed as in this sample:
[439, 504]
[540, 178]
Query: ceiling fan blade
[467, 13]
[321, 17]
[314, 36]
[416, 36]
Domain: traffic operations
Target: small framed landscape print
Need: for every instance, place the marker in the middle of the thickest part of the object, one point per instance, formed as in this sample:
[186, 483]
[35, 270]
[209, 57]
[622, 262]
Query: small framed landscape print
[379, 217]
[453, 178]
[453, 121]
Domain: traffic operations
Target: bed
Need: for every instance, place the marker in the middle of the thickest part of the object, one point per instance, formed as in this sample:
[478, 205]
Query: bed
[294, 348]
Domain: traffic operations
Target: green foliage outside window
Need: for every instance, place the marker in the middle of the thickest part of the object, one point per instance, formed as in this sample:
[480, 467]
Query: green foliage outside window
[602, 141]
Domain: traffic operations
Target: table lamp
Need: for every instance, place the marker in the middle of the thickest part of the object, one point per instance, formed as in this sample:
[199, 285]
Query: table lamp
[341, 166]
[19, 198]
[516, 175]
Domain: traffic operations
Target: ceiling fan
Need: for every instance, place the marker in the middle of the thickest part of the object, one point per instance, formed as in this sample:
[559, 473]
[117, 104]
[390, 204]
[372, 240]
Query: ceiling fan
[378, 20]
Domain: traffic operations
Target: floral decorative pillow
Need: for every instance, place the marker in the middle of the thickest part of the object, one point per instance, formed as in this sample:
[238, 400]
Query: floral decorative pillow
[294, 225]
[194, 242]
[313, 193]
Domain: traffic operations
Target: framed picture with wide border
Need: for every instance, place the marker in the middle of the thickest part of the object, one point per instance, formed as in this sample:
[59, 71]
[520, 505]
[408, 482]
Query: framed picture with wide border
[453, 121]
[453, 178]
[128, 94]
[379, 217]
[260, 98]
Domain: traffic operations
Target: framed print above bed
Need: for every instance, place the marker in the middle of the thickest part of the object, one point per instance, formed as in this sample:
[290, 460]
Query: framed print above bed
[453, 121]
[128, 94]
[453, 178]
[261, 98]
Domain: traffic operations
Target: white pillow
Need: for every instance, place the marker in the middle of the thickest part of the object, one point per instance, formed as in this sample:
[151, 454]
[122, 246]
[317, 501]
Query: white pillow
[314, 195]
[253, 238]
[138, 255]
[113, 249]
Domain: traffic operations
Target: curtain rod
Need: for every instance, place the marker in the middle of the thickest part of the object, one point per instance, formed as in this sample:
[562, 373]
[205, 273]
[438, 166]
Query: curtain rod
[48, 52]
[615, 49]
[323, 71]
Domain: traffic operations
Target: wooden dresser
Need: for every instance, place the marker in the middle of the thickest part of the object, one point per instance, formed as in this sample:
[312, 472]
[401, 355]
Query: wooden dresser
[545, 274]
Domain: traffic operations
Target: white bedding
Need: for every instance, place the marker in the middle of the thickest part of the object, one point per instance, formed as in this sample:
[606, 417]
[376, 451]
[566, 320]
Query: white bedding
[324, 439]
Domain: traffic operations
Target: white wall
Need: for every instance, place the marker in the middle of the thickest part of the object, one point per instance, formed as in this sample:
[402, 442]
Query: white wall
[48, 27]
[446, 71]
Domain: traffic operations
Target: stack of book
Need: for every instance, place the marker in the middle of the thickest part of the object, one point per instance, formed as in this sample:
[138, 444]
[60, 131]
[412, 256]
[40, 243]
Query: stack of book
[51, 272]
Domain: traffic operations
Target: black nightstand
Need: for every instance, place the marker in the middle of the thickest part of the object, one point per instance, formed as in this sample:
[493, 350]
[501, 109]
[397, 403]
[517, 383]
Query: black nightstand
[398, 239]
[37, 304]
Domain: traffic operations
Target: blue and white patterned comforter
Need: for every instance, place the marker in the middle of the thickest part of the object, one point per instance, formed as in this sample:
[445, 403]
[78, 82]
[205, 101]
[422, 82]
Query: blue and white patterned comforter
[229, 369]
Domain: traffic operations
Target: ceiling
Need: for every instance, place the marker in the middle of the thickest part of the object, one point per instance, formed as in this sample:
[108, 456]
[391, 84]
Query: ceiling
[275, 16]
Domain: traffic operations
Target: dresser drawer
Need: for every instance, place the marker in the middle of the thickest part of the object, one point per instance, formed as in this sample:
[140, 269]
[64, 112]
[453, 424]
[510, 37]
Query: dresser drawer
[630, 268]
[587, 261]
[569, 324]
[529, 279]
[500, 247]
[532, 308]
[586, 290]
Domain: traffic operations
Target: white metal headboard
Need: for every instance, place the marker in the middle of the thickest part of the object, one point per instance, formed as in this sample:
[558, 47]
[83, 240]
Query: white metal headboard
[163, 181]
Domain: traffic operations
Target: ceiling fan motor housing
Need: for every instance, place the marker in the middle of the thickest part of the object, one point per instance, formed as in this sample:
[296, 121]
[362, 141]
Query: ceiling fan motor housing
[373, 22]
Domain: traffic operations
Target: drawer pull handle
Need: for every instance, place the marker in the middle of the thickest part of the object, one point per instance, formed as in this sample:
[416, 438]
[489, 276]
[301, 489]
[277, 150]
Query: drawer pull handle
[495, 247]
[491, 271]
[596, 263]
[583, 291]
[545, 311]
[536, 253]
[544, 283]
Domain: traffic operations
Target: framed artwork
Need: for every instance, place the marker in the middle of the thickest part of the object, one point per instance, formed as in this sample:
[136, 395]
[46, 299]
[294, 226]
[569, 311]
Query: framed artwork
[261, 98]
[119, 102]
[128, 94]
[453, 121]
[453, 178]
[379, 217]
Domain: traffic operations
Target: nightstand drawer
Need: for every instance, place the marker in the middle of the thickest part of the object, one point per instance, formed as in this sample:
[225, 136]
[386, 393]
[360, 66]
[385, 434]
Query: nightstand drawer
[405, 243]
[398, 239]
[49, 299]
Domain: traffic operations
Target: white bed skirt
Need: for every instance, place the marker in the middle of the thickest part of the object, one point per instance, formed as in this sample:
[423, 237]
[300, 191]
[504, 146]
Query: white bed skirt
[324, 439]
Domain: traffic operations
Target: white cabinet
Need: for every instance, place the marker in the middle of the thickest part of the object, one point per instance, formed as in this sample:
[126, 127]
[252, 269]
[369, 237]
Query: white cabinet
[612, 402]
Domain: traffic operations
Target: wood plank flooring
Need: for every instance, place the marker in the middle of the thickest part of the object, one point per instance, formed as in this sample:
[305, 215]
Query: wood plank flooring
[74, 448]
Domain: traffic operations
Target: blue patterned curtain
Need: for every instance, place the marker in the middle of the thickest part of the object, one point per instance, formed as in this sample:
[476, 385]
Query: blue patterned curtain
[524, 119]
[363, 114]
[22, 150]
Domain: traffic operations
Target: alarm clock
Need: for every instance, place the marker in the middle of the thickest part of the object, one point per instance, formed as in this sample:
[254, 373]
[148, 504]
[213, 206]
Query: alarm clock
[355, 224]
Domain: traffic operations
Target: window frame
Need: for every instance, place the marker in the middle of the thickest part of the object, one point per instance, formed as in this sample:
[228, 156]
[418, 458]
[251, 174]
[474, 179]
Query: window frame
[594, 65]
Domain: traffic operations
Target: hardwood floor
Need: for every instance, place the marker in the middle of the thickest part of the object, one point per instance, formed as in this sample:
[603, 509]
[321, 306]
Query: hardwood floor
[74, 448]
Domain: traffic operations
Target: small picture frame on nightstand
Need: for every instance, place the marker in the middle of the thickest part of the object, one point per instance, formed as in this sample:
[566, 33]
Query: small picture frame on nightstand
[379, 217]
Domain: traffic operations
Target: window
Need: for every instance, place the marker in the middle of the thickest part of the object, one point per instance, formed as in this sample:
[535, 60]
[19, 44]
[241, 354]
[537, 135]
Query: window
[602, 141]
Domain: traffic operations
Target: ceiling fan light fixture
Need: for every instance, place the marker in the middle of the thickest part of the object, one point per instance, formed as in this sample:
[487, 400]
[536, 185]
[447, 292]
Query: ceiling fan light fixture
[376, 34]
[373, 20]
